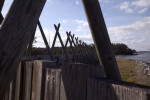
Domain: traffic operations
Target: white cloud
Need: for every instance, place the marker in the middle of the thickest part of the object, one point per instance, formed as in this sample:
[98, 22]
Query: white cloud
[125, 6]
[51, 1]
[65, 21]
[77, 2]
[83, 31]
[143, 10]
[49, 35]
[82, 22]
[139, 6]
[82, 26]
[135, 35]
[141, 3]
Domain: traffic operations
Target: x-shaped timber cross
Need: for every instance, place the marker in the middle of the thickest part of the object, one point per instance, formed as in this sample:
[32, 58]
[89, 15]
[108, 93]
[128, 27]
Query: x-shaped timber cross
[54, 41]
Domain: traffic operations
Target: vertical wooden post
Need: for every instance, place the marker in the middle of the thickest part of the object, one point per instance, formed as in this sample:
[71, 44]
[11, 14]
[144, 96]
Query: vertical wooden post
[16, 84]
[36, 80]
[101, 38]
[52, 84]
[27, 80]
[15, 34]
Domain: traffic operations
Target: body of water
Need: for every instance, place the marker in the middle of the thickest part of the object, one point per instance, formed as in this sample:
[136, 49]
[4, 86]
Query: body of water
[142, 56]
[143, 59]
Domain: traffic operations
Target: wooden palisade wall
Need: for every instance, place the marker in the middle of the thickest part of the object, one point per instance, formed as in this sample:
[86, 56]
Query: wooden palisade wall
[44, 80]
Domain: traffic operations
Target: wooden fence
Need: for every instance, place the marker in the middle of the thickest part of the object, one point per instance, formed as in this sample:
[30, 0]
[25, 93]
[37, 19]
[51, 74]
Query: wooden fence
[105, 89]
[46, 80]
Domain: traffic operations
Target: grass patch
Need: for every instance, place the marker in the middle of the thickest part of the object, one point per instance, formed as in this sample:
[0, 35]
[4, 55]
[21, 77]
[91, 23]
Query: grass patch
[126, 68]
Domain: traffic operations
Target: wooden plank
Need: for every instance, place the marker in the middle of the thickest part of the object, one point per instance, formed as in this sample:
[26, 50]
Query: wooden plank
[45, 65]
[15, 34]
[27, 80]
[36, 80]
[10, 91]
[101, 38]
[75, 79]
[6, 95]
[16, 84]
[52, 84]
[62, 90]
[104, 89]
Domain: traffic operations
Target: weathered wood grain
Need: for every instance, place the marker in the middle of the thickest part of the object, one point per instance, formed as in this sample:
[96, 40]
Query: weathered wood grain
[36, 80]
[10, 91]
[52, 84]
[6, 95]
[62, 90]
[15, 33]
[75, 79]
[16, 84]
[103, 89]
[45, 65]
[101, 38]
[27, 80]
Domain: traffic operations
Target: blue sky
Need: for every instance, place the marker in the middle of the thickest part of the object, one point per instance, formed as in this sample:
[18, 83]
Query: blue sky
[127, 21]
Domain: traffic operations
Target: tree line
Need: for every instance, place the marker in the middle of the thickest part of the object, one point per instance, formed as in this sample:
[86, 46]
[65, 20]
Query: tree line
[122, 49]
[119, 49]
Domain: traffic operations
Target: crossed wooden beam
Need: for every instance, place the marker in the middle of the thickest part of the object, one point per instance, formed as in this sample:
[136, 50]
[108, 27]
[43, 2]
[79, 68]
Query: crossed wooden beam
[45, 41]
[70, 39]
[60, 39]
